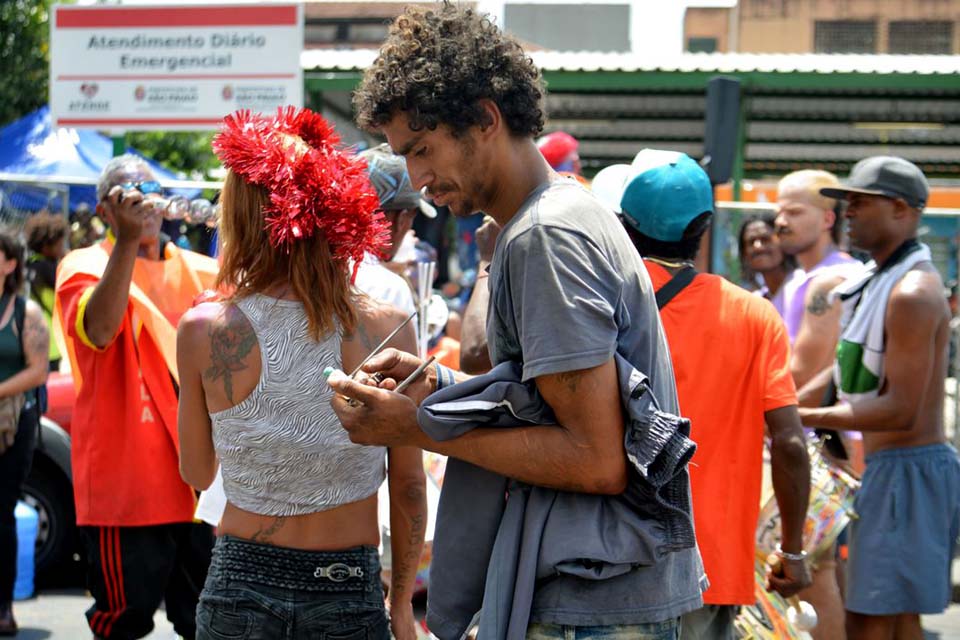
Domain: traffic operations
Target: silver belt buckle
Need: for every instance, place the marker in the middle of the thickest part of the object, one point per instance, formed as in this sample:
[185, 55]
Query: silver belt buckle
[338, 572]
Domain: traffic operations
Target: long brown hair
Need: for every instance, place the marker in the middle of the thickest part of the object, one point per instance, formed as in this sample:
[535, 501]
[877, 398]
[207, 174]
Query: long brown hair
[12, 249]
[251, 264]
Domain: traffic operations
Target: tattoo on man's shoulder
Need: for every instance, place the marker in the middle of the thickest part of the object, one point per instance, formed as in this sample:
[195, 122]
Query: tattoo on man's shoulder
[818, 304]
[230, 343]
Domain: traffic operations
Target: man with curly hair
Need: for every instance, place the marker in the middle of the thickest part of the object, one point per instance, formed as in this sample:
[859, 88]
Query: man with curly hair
[462, 103]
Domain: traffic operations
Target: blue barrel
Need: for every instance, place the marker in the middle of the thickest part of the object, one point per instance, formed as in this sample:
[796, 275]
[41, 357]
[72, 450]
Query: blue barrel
[27, 521]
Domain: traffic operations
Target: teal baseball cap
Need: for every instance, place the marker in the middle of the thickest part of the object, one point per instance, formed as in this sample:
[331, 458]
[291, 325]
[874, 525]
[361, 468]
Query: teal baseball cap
[664, 192]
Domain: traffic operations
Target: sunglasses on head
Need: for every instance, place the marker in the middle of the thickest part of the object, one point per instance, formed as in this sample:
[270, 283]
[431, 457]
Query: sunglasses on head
[146, 187]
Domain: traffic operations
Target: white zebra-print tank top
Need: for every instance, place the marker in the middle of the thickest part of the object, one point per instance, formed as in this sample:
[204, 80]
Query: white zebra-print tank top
[282, 449]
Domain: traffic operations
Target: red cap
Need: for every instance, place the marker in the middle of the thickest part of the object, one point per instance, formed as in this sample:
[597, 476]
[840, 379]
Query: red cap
[557, 147]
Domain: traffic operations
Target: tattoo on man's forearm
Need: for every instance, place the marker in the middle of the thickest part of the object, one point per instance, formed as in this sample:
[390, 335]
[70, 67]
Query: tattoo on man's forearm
[230, 343]
[818, 304]
[263, 535]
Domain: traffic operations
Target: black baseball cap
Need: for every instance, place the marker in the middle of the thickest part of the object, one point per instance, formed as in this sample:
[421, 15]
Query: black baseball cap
[888, 176]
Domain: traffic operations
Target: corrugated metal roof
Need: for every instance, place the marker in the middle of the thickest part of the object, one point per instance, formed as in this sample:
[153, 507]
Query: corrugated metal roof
[747, 62]
[762, 107]
[779, 131]
[803, 110]
[357, 59]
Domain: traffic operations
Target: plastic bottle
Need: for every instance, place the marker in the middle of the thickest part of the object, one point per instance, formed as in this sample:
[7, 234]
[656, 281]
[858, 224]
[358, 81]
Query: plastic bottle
[27, 521]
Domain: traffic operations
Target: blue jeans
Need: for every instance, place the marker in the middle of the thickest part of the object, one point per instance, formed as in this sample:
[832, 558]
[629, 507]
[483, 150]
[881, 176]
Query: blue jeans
[668, 630]
[252, 604]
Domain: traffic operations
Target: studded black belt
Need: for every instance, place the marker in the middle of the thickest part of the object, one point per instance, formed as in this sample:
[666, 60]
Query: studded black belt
[356, 569]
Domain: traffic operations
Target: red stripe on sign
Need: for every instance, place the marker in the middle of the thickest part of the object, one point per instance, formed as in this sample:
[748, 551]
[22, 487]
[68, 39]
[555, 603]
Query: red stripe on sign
[75, 122]
[229, 76]
[225, 16]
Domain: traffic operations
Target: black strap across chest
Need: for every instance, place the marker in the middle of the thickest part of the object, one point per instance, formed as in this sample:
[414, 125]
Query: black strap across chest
[675, 285]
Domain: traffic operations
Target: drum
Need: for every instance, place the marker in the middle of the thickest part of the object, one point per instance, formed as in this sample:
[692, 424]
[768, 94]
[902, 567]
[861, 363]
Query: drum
[766, 619]
[832, 490]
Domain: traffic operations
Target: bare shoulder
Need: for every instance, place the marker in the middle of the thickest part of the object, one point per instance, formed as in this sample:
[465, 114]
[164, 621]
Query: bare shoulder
[198, 320]
[920, 291]
[378, 317]
[34, 311]
[817, 301]
[823, 284]
[36, 334]
[375, 321]
[216, 340]
[211, 318]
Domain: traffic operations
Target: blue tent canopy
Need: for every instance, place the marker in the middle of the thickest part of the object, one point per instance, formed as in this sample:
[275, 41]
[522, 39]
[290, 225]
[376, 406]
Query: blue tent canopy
[32, 147]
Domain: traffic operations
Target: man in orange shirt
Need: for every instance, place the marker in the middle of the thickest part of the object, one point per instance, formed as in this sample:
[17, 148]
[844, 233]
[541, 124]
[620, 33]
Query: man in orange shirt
[117, 307]
[732, 364]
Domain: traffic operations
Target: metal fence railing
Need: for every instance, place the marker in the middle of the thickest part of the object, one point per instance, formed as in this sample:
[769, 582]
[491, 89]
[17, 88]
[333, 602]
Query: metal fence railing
[20, 199]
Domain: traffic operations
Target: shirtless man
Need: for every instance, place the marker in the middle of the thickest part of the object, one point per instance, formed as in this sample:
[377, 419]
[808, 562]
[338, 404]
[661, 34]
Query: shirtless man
[890, 370]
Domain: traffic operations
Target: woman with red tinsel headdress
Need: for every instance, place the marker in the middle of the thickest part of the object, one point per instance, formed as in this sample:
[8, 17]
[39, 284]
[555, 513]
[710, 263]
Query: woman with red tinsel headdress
[297, 549]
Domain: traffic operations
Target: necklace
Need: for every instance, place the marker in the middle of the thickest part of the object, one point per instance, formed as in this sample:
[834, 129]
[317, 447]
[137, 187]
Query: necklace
[671, 265]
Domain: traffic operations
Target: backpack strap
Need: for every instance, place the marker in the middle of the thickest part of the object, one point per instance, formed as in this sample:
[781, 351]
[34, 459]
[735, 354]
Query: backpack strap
[830, 438]
[20, 319]
[675, 285]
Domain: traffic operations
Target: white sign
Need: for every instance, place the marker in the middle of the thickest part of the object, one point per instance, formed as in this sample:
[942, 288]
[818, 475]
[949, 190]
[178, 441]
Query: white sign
[172, 67]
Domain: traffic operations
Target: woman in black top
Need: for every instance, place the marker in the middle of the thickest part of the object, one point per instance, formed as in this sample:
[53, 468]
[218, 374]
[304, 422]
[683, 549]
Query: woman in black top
[24, 348]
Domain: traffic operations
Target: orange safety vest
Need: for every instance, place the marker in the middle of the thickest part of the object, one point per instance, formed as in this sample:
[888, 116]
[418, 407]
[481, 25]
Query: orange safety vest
[116, 479]
[197, 273]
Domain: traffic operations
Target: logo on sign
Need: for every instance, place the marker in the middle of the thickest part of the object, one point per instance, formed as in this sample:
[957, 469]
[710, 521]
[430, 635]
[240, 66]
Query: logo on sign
[139, 93]
[89, 89]
[88, 105]
[227, 92]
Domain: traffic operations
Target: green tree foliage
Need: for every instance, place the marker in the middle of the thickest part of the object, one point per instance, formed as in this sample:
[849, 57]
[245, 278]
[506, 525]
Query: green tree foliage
[24, 57]
[185, 152]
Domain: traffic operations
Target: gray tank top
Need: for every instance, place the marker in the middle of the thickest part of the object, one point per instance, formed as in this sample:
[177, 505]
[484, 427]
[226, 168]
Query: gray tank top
[282, 449]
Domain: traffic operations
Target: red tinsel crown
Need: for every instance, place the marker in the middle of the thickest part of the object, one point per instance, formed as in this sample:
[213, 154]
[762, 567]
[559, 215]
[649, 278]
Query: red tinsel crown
[313, 184]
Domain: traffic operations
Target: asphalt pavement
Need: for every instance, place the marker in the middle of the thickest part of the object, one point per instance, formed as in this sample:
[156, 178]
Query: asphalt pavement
[58, 615]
